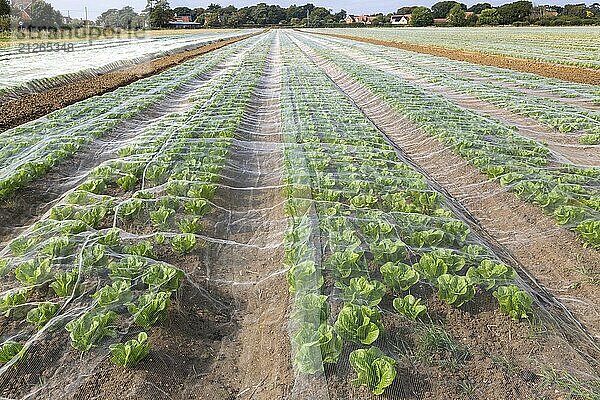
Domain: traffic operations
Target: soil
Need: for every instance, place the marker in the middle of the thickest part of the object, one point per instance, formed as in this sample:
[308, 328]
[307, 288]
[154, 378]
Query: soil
[31, 106]
[564, 72]
[532, 239]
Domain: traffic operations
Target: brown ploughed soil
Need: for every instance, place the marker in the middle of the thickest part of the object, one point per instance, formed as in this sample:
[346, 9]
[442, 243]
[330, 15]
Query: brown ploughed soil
[559, 71]
[31, 106]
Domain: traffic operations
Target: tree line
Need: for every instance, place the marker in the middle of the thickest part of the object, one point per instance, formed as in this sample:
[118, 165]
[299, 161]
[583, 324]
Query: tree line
[158, 13]
[516, 13]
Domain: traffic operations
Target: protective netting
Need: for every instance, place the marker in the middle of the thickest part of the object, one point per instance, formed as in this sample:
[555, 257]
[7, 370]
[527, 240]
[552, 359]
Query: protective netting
[575, 45]
[258, 163]
[28, 68]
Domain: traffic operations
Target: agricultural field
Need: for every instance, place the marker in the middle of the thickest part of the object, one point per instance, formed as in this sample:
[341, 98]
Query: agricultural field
[563, 45]
[302, 216]
[28, 66]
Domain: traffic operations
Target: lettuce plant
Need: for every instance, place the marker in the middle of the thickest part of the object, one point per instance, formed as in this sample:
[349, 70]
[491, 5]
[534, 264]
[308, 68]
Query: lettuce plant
[117, 293]
[34, 272]
[362, 291]
[127, 182]
[303, 277]
[590, 233]
[130, 353]
[163, 277]
[189, 225]
[184, 243]
[513, 302]
[160, 218]
[56, 246]
[9, 350]
[311, 308]
[455, 289]
[130, 208]
[94, 256]
[455, 232]
[21, 245]
[10, 301]
[96, 186]
[150, 308]
[400, 277]
[375, 370]
[142, 248]
[344, 264]
[202, 191]
[42, 314]
[388, 250]
[490, 273]
[90, 328]
[426, 239]
[111, 237]
[409, 306]
[359, 324]
[128, 268]
[316, 347]
[64, 283]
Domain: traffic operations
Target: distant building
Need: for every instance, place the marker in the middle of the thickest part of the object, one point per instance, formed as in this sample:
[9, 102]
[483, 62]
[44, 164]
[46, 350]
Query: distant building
[185, 25]
[549, 12]
[440, 21]
[360, 19]
[24, 6]
[400, 19]
[182, 18]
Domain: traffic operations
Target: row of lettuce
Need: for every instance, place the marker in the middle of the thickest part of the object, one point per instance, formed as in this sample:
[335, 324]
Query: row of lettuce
[95, 265]
[29, 151]
[365, 226]
[525, 167]
[458, 77]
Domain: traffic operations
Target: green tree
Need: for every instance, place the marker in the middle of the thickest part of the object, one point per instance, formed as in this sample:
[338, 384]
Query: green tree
[161, 14]
[442, 8]
[4, 8]
[421, 16]
[43, 15]
[576, 10]
[456, 16]
[513, 12]
[488, 16]
[479, 7]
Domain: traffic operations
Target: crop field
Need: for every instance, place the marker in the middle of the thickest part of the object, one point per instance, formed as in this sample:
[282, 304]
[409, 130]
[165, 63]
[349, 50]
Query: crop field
[34, 66]
[301, 216]
[565, 45]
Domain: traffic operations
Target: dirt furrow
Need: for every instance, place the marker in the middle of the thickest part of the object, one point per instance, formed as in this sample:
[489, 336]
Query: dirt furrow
[254, 362]
[552, 255]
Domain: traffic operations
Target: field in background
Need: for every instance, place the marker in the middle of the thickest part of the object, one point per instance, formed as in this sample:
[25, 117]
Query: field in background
[564, 45]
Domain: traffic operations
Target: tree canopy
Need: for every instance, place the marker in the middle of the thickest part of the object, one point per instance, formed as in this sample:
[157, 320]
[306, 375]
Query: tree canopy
[43, 15]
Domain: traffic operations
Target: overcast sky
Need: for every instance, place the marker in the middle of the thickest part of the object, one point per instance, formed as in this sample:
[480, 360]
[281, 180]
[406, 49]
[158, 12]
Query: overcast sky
[76, 7]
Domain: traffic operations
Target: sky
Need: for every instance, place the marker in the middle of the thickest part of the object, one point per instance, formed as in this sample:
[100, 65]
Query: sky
[75, 8]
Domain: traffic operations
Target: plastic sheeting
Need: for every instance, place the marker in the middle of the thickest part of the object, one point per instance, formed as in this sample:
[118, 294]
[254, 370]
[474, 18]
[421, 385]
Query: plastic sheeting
[21, 70]
[265, 233]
